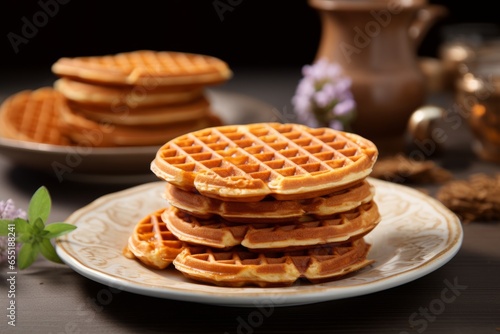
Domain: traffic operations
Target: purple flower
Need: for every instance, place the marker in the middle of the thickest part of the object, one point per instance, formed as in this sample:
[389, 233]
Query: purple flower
[344, 107]
[337, 125]
[8, 211]
[323, 96]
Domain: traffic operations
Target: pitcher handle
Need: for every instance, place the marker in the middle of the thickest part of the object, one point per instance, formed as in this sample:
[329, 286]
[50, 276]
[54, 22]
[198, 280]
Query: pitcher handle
[425, 18]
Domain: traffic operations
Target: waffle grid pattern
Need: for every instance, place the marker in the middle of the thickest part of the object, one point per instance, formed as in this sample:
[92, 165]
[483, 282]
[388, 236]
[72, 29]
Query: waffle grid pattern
[268, 152]
[244, 257]
[153, 243]
[151, 63]
[33, 116]
[172, 63]
[241, 267]
[156, 232]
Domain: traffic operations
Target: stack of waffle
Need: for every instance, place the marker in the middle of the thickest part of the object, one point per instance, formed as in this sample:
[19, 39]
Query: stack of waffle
[127, 99]
[261, 204]
[137, 98]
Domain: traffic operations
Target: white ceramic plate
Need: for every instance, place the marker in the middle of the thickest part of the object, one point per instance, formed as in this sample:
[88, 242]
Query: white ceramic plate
[416, 236]
[119, 164]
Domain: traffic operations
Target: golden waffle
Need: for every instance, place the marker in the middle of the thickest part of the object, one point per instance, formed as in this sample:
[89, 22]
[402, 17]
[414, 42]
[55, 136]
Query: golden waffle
[152, 115]
[239, 267]
[249, 162]
[87, 132]
[308, 231]
[146, 68]
[120, 97]
[33, 115]
[152, 243]
[270, 210]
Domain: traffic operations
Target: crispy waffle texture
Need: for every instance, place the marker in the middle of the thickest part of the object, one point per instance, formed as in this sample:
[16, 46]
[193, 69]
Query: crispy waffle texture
[250, 162]
[240, 267]
[33, 115]
[268, 204]
[218, 233]
[270, 210]
[152, 243]
[145, 67]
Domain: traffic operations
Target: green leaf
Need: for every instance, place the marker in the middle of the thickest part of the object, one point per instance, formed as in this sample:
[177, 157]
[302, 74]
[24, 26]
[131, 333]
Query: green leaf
[57, 229]
[20, 227]
[25, 238]
[39, 206]
[4, 226]
[38, 226]
[24, 231]
[48, 251]
[33, 234]
[27, 255]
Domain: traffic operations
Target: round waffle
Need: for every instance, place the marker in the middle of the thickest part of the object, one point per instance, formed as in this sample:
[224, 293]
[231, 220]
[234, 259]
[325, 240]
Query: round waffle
[152, 115]
[239, 267]
[152, 243]
[250, 162]
[33, 115]
[308, 231]
[145, 67]
[119, 97]
[270, 210]
[87, 132]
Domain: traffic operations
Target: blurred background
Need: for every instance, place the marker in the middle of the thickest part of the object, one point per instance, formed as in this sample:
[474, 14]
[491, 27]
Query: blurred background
[265, 43]
[246, 34]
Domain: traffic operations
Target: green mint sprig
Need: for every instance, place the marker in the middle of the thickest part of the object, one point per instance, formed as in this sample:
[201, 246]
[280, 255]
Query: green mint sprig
[33, 233]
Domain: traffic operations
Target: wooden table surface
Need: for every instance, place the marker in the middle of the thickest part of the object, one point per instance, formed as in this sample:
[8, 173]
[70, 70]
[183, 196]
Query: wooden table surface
[53, 298]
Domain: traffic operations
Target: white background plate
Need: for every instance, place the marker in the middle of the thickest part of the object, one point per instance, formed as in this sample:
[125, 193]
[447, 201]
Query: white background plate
[416, 236]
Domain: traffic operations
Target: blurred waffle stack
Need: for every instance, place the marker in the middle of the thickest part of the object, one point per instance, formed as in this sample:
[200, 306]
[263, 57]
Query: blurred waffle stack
[136, 98]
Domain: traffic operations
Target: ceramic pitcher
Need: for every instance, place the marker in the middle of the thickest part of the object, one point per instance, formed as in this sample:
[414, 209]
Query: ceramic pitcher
[376, 44]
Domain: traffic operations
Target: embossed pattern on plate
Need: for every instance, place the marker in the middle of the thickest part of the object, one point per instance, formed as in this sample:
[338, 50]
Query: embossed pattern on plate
[416, 236]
